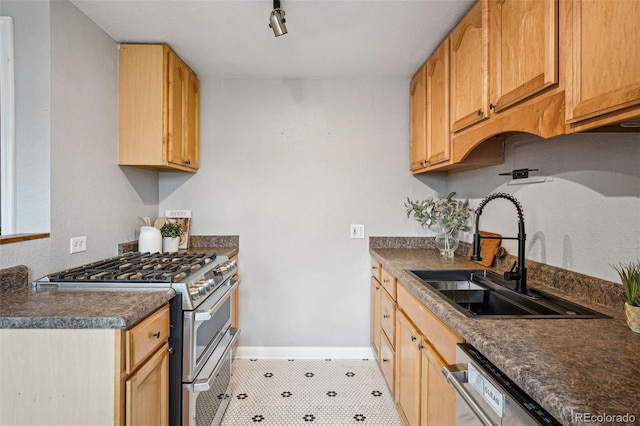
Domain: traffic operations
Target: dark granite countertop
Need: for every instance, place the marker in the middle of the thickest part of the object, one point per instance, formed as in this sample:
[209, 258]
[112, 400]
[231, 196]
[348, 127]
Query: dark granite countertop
[569, 366]
[68, 308]
[22, 306]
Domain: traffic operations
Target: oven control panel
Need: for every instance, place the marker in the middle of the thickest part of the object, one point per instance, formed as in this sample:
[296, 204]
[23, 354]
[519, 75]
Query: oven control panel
[212, 279]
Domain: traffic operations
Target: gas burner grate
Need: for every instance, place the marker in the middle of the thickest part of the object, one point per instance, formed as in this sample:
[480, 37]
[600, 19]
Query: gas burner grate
[136, 267]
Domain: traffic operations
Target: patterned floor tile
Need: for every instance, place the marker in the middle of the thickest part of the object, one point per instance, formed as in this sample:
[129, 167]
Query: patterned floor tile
[309, 392]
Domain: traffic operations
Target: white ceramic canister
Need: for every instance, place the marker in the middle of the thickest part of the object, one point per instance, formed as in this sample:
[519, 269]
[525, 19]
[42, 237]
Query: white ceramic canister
[150, 240]
[170, 245]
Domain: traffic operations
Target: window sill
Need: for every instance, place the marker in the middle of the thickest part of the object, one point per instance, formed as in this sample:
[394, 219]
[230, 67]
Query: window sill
[14, 238]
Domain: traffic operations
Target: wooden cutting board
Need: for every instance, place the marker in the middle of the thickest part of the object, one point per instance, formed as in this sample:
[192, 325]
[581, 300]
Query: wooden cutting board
[488, 248]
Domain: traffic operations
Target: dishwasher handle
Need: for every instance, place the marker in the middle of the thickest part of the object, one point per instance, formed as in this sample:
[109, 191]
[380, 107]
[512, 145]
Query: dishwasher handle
[456, 375]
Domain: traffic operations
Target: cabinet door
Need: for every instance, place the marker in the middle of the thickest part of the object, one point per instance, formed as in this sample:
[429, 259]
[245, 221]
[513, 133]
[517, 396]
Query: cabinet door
[417, 120]
[141, 105]
[376, 290]
[408, 378]
[469, 68]
[605, 60]
[523, 49]
[178, 81]
[438, 398]
[387, 362]
[147, 390]
[438, 136]
[388, 316]
[190, 149]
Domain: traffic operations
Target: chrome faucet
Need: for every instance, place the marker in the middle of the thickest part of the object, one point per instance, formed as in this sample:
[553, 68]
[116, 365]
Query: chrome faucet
[519, 276]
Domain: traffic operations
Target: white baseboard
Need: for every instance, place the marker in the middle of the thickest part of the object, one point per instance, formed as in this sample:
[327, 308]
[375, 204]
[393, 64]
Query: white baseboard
[308, 352]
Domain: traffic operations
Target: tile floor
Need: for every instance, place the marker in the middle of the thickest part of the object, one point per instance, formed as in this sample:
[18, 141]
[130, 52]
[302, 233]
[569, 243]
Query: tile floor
[309, 392]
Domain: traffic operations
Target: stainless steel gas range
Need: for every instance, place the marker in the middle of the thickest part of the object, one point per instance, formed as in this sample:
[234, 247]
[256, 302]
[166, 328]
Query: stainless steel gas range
[201, 334]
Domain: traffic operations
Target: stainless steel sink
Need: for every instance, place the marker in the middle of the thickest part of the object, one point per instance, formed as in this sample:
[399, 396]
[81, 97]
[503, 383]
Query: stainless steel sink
[486, 295]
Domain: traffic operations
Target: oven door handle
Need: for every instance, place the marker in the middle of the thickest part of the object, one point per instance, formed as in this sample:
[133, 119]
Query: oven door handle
[205, 384]
[456, 375]
[207, 315]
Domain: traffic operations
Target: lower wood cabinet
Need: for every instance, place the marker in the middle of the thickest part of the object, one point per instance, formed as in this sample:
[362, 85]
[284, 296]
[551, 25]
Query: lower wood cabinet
[86, 376]
[423, 395]
[383, 318]
[408, 365]
[438, 399]
[376, 294]
[145, 373]
[147, 391]
[387, 362]
[412, 346]
[235, 303]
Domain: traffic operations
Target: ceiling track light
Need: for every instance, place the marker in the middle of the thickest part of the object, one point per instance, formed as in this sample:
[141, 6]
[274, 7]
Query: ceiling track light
[276, 20]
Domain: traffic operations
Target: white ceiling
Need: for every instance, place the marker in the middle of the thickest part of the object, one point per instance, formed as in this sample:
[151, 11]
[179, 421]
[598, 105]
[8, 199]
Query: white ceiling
[326, 39]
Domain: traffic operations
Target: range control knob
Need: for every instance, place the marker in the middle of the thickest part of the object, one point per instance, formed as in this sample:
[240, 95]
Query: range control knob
[225, 267]
[208, 284]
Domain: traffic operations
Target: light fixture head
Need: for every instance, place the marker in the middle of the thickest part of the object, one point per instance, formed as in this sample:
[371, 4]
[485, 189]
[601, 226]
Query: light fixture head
[276, 20]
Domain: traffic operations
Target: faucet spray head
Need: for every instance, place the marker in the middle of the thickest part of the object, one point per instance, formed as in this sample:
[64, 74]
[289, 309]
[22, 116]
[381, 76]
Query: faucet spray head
[476, 242]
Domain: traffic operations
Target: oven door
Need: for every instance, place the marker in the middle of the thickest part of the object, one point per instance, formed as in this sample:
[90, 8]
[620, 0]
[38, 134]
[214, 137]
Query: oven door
[205, 400]
[204, 327]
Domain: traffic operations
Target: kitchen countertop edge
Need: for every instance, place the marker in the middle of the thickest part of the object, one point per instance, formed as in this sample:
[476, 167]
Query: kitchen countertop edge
[78, 309]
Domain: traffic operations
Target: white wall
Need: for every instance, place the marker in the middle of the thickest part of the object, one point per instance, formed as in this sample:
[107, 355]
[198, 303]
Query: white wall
[288, 165]
[90, 194]
[585, 218]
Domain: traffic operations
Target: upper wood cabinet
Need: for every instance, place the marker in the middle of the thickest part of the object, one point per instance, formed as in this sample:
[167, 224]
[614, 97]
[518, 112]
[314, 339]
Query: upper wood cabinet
[418, 119]
[158, 109]
[603, 86]
[429, 113]
[504, 77]
[523, 49]
[438, 137]
[470, 68]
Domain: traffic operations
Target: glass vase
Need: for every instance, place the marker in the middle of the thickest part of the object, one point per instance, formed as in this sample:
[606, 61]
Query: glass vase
[446, 244]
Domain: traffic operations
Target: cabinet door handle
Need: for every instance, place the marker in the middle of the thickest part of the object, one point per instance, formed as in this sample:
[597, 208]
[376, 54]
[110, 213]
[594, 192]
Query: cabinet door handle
[492, 106]
[187, 162]
[480, 113]
[420, 347]
[385, 316]
[413, 338]
[377, 287]
[385, 360]
[156, 335]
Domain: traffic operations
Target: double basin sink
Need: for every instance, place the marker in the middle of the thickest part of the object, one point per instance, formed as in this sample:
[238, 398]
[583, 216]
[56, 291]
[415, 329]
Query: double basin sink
[486, 295]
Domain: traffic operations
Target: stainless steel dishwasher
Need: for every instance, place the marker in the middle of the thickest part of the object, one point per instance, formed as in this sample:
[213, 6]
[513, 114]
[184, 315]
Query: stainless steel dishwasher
[486, 396]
